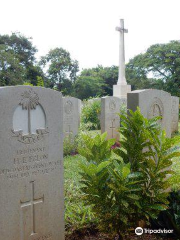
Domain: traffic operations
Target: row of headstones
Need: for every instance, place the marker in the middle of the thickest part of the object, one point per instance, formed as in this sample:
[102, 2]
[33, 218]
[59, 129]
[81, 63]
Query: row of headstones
[31, 154]
[151, 102]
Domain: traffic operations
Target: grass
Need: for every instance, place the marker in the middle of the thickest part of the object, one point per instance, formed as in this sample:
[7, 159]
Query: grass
[175, 180]
[77, 215]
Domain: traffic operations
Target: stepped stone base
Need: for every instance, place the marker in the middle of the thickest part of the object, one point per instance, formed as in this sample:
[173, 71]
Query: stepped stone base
[121, 90]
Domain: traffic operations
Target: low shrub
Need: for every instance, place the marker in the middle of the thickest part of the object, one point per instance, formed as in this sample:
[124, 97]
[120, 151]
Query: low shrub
[128, 185]
[70, 146]
[170, 219]
[90, 116]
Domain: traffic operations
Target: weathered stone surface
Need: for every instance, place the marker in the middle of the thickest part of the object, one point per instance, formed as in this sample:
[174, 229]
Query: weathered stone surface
[152, 103]
[110, 121]
[71, 116]
[31, 164]
[174, 113]
[121, 91]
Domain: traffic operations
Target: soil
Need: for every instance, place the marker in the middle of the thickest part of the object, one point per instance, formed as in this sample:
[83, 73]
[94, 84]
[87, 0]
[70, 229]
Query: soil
[94, 234]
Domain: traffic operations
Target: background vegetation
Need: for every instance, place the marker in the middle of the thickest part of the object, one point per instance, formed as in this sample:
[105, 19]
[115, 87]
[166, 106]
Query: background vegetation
[158, 67]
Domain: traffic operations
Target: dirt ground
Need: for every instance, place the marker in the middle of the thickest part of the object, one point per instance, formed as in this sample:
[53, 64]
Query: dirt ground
[93, 234]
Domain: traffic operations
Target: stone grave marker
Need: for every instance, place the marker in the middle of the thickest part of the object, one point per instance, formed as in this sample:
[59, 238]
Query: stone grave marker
[174, 113]
[152, 103]
[31, 164]
[110, 120]
[71, 116]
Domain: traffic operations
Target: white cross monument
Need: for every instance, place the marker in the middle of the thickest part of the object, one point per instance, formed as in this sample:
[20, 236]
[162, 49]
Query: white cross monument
[121, 89]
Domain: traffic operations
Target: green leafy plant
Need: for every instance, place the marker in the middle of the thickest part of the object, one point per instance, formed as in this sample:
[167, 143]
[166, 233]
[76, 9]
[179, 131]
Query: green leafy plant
[28, 84]
[170, 219]
[96, 149]
[108, 184]
[69, 146]
[129, 184]
[90, 116]
[148, 150]
[112, 190]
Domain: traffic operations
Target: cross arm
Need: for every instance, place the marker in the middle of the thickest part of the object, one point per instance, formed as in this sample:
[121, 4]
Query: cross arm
[121, 30]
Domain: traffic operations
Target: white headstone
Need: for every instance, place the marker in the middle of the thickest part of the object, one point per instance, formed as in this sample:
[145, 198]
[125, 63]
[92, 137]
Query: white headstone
[152, 103]
[31, 164]
[71, 116]
[175, 114]
[110, 120]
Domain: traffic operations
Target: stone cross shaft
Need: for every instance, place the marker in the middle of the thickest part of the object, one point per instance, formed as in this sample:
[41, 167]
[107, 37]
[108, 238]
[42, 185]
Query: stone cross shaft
[121, 30]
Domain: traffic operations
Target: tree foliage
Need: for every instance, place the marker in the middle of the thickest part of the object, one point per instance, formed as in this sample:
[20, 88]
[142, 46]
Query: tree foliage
[158, 67]
[97, 81]
[88, 86]
[60, 68]
[11, 71]
[20, 46]
[162, 61]
[17, 60]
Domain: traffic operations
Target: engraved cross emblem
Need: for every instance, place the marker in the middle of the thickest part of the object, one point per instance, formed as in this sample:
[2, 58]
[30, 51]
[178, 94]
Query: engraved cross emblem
[31, 203]
[69, 131]
[112, 127]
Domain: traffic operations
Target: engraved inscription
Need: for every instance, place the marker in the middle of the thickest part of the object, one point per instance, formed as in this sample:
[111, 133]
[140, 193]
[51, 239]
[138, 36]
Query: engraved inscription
[30, 162]
[112, 105]
[31, 127]
[31, 203]
[68, 107]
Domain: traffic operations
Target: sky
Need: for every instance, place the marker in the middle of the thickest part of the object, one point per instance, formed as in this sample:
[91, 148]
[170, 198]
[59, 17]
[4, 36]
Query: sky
[86, 28]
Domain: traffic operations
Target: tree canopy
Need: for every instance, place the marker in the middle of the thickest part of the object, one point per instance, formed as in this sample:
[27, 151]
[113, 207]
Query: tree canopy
[17, 60]
[59, 68]
[98, 80]
[162, 61]
[158, 67]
